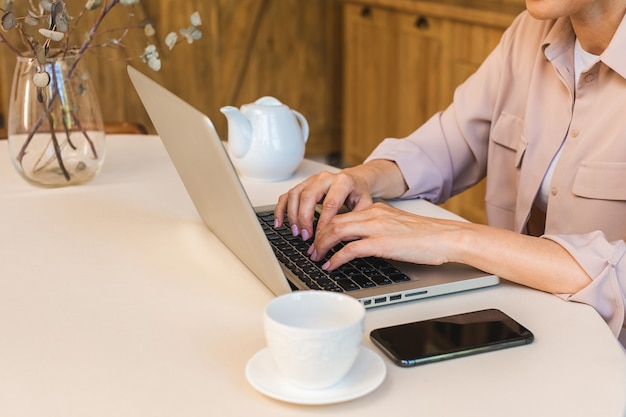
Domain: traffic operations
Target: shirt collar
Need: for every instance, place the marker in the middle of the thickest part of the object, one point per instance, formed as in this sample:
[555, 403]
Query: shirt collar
[561, 37]
[615, 54]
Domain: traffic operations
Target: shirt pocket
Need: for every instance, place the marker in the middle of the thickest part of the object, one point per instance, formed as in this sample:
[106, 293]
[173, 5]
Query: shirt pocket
[600, 180]
[508, 132]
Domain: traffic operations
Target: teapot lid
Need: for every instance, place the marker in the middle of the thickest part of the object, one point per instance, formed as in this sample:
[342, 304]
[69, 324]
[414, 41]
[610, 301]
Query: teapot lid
[268, 101]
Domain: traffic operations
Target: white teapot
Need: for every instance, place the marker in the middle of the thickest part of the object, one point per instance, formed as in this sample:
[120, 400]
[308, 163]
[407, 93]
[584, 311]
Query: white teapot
[266, 139]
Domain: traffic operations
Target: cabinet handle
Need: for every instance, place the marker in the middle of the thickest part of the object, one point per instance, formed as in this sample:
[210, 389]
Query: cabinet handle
[366, 11]
[422, 23]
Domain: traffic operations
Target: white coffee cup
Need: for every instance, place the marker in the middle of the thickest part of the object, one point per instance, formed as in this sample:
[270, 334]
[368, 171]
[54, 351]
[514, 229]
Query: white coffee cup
[314, 336]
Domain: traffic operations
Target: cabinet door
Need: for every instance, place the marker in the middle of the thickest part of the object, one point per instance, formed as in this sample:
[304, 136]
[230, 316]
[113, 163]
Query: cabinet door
[418, 72]
[370, 50]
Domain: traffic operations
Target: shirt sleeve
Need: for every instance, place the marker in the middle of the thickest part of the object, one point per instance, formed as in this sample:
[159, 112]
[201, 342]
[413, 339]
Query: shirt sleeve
[605, 263]
[425, 176]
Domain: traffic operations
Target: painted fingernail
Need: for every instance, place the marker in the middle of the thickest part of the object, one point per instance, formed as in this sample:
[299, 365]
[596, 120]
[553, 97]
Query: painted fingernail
[310, 250]
[294, 230]
[275, 223]
[326, 266]
[305, 234]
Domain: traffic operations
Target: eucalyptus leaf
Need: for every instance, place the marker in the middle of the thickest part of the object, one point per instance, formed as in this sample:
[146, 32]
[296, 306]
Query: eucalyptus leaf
[46, 5]
[8, 21]
[59, 19]
[149, 30]
[31, 21]
[41, 79]
[51, 34]
[154, 63]
[40, 54]
[191, 33]
[171, 39]
[195, 19]
[93, 4]
[151, 57]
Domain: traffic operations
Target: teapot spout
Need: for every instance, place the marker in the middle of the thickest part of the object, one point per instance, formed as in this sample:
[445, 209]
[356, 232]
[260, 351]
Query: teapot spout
[239, 131]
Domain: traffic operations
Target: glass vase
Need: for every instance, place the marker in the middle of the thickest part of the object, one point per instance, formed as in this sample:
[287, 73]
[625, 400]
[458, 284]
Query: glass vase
[55, 131]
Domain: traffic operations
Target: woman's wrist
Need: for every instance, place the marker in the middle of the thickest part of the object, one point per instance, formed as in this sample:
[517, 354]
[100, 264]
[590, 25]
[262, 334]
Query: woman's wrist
[382, 178]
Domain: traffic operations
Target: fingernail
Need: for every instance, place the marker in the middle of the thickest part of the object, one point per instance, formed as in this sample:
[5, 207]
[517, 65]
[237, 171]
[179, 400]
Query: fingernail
[310, 250]
[275, 223]
[294, 230]
[305, 234]
[326, 265]
[314, 256]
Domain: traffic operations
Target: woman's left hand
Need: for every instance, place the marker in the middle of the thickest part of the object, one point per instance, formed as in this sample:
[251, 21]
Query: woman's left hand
[387, 232]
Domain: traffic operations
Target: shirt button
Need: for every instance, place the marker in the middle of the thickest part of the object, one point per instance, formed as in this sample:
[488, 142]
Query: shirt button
[554, 191]
[589, 78]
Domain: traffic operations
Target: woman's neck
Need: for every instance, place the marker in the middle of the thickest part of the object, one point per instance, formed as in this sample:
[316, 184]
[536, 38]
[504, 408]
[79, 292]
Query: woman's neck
[596, 25]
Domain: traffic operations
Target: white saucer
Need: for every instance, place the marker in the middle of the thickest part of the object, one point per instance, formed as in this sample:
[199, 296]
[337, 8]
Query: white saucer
[366, 375]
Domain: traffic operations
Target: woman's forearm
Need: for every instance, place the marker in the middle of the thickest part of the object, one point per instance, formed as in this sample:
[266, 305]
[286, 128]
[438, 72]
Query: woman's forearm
[532, 261]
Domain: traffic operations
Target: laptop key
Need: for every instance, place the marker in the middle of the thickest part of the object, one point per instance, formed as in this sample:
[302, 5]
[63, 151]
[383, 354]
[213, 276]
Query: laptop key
[347, 284]
[399, 277]
[325, 281]
[381, 280]
[312, 285]
[363, 281]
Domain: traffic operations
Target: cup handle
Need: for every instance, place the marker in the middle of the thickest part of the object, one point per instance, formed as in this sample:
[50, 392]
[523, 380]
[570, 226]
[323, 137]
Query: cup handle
[304, 125]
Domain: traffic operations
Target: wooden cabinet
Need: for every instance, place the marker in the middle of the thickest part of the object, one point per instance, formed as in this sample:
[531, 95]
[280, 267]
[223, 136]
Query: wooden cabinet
[403, 60]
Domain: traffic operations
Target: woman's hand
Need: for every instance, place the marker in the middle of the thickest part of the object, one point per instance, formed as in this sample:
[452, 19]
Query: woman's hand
[387, 232]
[352, 187]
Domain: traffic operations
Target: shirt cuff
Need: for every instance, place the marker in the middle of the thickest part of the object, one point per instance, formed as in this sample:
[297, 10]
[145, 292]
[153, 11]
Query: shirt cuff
[605, 263]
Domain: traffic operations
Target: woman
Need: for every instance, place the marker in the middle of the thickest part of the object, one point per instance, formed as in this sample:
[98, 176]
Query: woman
[543, 119]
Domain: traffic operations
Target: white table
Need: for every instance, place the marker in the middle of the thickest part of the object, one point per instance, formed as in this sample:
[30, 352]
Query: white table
[115, 300]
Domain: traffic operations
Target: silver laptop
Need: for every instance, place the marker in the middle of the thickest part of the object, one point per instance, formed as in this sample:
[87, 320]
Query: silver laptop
[219, 197]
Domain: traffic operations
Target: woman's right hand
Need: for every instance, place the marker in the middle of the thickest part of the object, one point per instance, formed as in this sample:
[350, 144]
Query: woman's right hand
[332, 190]
[352, 187]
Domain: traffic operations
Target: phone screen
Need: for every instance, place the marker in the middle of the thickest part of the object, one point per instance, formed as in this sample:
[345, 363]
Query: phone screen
[448, 337]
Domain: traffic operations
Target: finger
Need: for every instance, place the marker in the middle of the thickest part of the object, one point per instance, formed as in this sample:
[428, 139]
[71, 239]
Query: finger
[279, 211]
[351, 226]
[351, 251]
[293, 207]
[342, 186]
[301, 202]
[340, 229]
[313, 191]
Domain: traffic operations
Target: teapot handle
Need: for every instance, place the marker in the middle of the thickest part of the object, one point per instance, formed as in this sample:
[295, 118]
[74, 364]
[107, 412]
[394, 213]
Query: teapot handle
[304, 125]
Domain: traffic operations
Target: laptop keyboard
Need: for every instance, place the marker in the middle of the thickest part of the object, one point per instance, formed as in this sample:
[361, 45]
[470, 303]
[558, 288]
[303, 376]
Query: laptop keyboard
[357, 274]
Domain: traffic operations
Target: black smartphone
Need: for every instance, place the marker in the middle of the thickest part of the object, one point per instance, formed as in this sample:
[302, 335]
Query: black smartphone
[450, 337]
